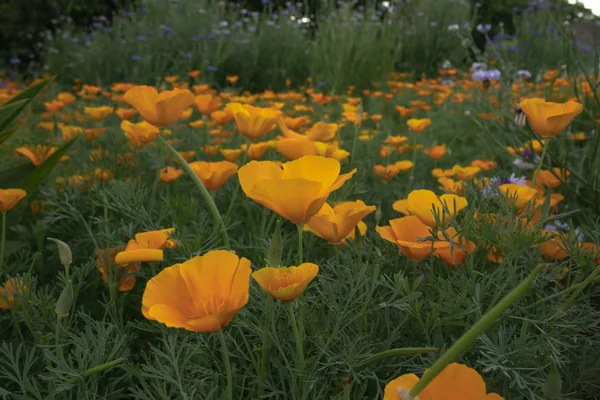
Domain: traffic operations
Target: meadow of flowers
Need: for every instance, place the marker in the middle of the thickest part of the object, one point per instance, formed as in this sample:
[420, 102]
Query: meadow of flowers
[420, 238]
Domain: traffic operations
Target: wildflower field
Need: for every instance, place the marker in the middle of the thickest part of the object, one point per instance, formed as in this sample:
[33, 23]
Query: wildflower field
[409, 236]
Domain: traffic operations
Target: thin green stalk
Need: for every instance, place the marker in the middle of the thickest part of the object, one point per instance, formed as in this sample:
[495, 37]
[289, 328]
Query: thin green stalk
[406, 351]
[3, 241]
[300, 251]
[297, 337]
[346, 385]
[471, 335]
[354, 140]
[265, 347]
[203, 192]
[16, 326]
[237, 188]
[539, 166]
[581, 287]
[225, 353]
[100, 368]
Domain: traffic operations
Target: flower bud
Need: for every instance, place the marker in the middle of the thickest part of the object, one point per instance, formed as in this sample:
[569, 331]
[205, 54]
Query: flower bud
[553, 385]
[65, 300]
[64, 252]
[378, 216]
[275, 248]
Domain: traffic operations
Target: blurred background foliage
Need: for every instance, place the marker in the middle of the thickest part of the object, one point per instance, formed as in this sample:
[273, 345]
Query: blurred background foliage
[76, 39]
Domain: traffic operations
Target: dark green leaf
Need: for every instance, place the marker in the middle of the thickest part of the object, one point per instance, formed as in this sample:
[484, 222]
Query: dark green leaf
[9, 112]
[13, 177]
[8, 133]
[21, 101]
[30, 92]
[39, 174]
[12, 246]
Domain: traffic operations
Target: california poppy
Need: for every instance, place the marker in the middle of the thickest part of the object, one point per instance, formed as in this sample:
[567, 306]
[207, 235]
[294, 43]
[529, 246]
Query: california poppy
[10, 293]
[253, 122]
[418, 125]
[169, 174]
[456, 381]
[407, 233]
[549, 119]
[139, 134]
[422, 204]
[286, 283]
[159, 109]
[297, 190]
[335, 223]
[214, 174]
[9, 198]
[146, 247]
[200, 295]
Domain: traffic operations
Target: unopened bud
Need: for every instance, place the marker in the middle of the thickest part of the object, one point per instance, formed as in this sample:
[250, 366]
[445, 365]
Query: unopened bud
[64, 252]
[553, 386]
[378, 216]
[65, 300]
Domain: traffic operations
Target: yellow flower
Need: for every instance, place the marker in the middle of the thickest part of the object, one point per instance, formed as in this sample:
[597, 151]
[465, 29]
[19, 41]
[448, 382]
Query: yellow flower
[465, 173]
[253, 122]
[286, 283]
[169, 174]
[159, 109]
[456, 381]
[335, 224]
[418, 125]
[406, 233]
[139, 134]
[98, 113]
[207, 103]
[522, 195]
[322, 132]
[200, 295]
[214, 174]
[147, 247]
[9, 293]
[37, 154]
[297, 190]
[9, 198]
[231, 155]
[549, 119]
[422, 203]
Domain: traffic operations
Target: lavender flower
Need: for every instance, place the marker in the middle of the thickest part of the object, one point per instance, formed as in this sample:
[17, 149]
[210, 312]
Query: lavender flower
[136, 57]
[523, 73]
[557, 226]
[15, 61]
[526, 160]
[484, 28]
[491, 189]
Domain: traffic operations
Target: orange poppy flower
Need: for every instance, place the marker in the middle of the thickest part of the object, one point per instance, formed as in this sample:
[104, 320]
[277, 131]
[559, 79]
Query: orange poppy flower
[93, 133]
[465, 173]
[334, 224]
[401, 206]
[422, 204]
[10, 293]
[222, 117]
[214, 174]
[436, 152]
[232, 79]
[126, 113]
[169, 174]
[549, 119]
[105, 259]
[387, 172]
[139, 134]
[405, 233]
[286, 283]
[297, 190]
[207, 103]
[554, 248]
[522, 195]
[418, 125]
[253, 122]
[159, 109]
[98, 113]
[456, 381]
[256, 150]
[551, 178]
[9, 198]
[146, 247]
[37, 154]
[200, 295]
[231, 155]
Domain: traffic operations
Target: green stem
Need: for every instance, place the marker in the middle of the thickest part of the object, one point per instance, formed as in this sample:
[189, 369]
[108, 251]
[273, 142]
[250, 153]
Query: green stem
[581, 287]
[297, 337]
[354, 140]
[300, 251]
[203, 192]
[539, 166]
[16, 325]
[346, 385]
[406, 351]
[471, 335]
[265, 347]
[225, 353]
[102, 367]
[3, 241]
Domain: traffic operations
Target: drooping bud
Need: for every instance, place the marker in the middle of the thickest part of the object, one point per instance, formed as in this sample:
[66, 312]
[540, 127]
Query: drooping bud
[378, 216]
[65, 300]
[64, 252]
[275, 248]
[553, 385]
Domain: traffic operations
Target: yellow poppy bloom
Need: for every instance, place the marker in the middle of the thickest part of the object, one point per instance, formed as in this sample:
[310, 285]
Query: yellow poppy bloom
[139, 134]
[418, 125]
[98, 113]
[159, 109]
[297, 190]
[549, 119]
[214, 174]
[200, 295]
[422, 204]
[9, 198]
[334, 224]
[286, 283]
[146, 247]
[456, 381]
[253, 122]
